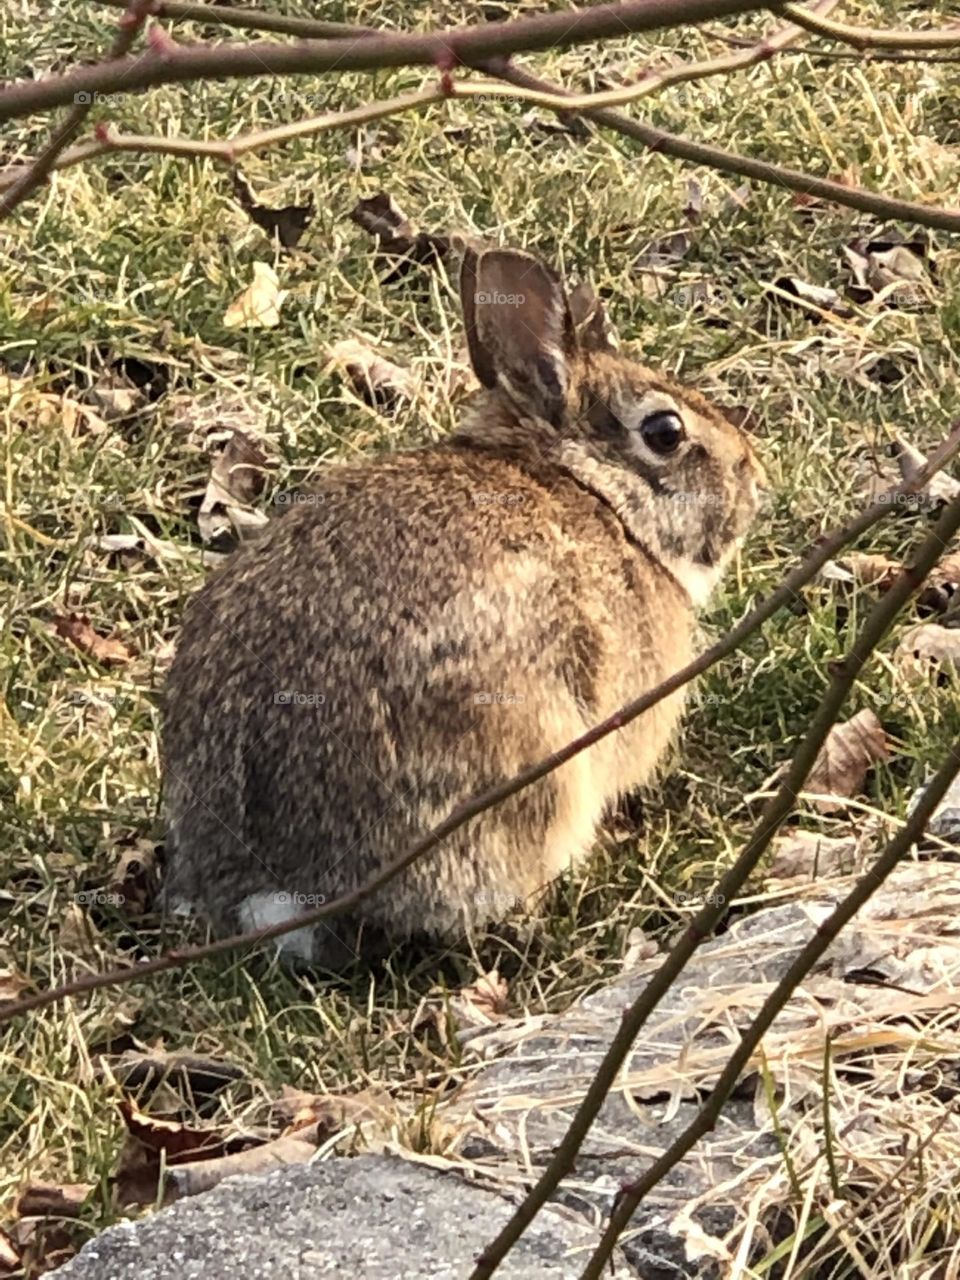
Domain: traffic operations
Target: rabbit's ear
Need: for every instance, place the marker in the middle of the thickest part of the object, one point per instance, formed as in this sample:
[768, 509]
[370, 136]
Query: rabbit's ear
[520, 332]
[590, 320]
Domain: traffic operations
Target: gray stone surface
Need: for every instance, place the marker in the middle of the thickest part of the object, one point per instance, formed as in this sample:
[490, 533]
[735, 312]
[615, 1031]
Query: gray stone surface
[369, 1217]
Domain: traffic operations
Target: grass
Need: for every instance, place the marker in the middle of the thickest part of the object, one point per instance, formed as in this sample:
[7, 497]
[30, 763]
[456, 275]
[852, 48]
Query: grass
[127, 265]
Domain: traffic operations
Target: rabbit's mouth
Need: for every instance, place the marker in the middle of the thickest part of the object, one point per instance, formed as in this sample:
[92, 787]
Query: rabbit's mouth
[701, 576]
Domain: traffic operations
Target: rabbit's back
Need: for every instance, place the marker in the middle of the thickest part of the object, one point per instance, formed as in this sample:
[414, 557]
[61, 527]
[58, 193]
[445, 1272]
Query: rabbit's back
[414, 631]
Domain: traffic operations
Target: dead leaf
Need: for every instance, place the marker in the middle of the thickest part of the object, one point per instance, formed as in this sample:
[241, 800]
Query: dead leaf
[135, 878]
[12, 984]
[258, 306]
[379, 381]
[295, 1109]
[868, 570]
[810, 297]
[848, 752]
[291, 1148]
[807, 855]
[237, 479]
[940, 489]
[45, 1244]
[889, 272]
[287, 224]
[30, 406]
[110, 651]
[178, 1142]
[930, 646]
[483, 1001]
[399, 239]
[77, 933]
[53, 1200]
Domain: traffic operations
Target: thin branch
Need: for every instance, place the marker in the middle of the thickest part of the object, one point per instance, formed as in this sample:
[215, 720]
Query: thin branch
[228, 151]
[251, 20]
[178, 64]
[672, 144]
[839, 55]
[825, 934]
[653, 82]
[544, 93]
[844, 674]
[870, 37]
[130, 24]
[825, 550]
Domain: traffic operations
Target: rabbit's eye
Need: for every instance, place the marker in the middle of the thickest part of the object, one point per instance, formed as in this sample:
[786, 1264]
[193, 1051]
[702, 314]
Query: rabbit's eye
[662, 432]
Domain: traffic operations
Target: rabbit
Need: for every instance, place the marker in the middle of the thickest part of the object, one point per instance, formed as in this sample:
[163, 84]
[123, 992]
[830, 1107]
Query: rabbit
[426, 624]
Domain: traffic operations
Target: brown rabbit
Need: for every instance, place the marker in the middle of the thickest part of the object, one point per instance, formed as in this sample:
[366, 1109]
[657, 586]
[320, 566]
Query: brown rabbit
[425, 625]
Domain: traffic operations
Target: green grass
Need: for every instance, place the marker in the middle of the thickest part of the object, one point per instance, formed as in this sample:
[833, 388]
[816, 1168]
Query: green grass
[139, 257]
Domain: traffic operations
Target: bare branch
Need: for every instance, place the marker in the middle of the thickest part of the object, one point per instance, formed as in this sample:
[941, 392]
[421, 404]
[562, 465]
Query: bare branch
[229, 151]
[130, 25]
[871, 37]
[825, 934]
[728, 887]
[825, 550]
[672, 144]
[250, 20]
[468, 46]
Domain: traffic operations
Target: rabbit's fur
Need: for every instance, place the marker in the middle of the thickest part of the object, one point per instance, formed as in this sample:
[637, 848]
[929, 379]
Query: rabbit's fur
[427, 624]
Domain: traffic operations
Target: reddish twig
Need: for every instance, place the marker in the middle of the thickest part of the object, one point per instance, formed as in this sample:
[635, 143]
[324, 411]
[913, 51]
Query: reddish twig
[470, 46]
[129, 25]
[671, 144]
